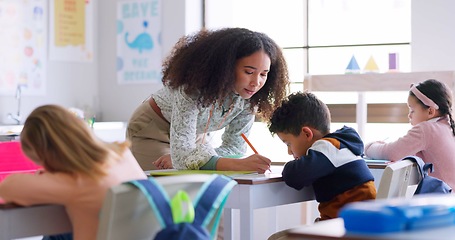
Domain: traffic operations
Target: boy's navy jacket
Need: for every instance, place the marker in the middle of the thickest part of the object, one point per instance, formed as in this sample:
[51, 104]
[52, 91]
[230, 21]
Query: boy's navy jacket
[332, 165]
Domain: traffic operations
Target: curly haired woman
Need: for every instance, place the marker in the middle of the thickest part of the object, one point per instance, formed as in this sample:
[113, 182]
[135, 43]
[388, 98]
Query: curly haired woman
[212, 80]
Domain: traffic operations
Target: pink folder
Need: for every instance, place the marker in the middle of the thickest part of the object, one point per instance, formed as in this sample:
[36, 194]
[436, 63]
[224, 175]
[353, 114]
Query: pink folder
[13, 160]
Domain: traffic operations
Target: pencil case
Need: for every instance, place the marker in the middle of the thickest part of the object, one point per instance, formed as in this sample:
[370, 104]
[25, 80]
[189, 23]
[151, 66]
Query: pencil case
[397, 215]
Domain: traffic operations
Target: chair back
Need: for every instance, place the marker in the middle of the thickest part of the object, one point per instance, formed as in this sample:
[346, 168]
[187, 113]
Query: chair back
[399, 179]
[126, 212]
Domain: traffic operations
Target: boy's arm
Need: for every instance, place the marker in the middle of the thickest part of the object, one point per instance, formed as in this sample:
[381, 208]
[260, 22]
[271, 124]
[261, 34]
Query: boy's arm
[307, 169]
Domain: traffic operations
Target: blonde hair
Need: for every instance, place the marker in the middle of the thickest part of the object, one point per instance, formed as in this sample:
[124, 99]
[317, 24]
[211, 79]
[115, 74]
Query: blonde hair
[61, 142]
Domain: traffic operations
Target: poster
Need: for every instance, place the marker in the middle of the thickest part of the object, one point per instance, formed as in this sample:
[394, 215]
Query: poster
[71, 30]
[139, 42]
[23, 47]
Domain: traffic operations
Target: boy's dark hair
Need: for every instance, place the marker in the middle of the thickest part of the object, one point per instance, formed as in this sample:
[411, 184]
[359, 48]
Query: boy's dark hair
[299, 110]
[440, 94]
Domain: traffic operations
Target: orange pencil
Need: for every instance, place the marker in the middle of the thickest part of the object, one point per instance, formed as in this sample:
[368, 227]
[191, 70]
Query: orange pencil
[249, 144]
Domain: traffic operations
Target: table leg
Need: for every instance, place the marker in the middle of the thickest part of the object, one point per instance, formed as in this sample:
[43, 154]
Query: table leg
[228, 230]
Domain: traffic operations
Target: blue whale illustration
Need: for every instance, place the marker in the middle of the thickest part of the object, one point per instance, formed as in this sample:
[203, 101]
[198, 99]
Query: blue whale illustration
[143, 41]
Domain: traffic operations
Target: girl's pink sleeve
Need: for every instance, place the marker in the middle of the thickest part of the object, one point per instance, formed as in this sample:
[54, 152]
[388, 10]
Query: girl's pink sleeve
[410, 144]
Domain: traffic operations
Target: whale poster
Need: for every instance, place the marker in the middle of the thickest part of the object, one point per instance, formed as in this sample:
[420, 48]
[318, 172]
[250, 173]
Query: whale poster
[139, 42]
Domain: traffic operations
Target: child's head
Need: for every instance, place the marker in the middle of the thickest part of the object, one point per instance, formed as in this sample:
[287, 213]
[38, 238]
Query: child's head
[429, 99]
[205, 65]
[58, 140]
[300, 120]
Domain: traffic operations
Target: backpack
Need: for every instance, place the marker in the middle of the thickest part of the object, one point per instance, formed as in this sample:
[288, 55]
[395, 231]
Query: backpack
[192, 226]
[428, 184]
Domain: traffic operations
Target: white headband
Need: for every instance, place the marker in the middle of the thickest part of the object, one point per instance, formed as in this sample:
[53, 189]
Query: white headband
[427, 101]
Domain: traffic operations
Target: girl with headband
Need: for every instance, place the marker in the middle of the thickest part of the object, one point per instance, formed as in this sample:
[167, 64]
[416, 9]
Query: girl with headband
[432, 134]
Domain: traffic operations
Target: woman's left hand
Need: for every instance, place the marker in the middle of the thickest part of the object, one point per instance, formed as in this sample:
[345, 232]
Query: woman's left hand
[164, 162]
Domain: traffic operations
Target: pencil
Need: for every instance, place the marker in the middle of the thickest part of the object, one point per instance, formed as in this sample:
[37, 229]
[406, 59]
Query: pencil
[249, 143]
[251, 146]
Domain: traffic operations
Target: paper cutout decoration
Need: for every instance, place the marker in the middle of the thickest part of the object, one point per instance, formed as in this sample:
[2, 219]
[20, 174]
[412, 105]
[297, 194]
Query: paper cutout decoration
[353, 66]
[393, 62]
[371, 66]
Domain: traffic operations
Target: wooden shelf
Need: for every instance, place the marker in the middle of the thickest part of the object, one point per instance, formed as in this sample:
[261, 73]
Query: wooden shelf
[374, 82]
[363, 112]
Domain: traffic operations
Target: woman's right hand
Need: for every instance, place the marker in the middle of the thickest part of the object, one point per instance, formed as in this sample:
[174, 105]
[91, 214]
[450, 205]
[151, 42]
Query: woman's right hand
[254, 162]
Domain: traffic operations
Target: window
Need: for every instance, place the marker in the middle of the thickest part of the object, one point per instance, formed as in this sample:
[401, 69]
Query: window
[321, 37]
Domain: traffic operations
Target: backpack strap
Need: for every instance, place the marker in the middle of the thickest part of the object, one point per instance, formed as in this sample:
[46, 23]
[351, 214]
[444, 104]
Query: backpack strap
[427, 168]
[422, 166]
[211, 197]
[158, 199]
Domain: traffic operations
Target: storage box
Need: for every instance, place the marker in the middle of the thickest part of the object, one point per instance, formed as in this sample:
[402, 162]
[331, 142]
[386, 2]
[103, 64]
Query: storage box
[13, 160]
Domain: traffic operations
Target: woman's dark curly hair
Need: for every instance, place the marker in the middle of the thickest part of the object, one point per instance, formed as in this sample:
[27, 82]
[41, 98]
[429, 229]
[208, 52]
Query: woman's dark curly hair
[204, 65]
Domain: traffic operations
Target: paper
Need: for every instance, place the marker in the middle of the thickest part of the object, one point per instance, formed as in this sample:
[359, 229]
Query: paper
[171, 172]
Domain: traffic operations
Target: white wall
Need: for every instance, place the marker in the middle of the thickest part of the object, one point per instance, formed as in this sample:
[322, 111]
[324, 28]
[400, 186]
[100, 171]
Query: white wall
[67, 83]
[433, 35]
[119, 101]
[95, 85]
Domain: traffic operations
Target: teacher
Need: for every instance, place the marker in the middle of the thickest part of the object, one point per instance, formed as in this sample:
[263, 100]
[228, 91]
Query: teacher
[213, 79]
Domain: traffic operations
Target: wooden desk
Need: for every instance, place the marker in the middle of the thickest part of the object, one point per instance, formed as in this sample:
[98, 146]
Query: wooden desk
[20, 222]
[334, 229]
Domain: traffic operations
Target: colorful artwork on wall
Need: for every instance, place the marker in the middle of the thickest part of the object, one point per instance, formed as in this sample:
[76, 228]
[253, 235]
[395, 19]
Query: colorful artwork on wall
[23, 47]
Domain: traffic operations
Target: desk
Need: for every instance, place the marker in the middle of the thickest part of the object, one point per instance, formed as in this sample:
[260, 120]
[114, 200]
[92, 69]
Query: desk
[20, 222]
[334, 229]
[259, 191]
[255, 191]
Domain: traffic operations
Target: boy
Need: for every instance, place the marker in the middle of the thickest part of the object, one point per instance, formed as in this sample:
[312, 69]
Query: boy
[330, 162]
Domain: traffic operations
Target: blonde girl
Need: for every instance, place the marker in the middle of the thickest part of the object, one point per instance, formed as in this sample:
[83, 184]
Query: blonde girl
[78, 168]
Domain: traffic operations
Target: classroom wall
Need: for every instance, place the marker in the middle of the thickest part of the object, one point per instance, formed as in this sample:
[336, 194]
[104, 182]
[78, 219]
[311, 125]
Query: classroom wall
[94, 85]
[119, 101]
[67, 83]
[433, 35]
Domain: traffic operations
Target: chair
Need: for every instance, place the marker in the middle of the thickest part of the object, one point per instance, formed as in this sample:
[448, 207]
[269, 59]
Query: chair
[400, 179]
[126, 213]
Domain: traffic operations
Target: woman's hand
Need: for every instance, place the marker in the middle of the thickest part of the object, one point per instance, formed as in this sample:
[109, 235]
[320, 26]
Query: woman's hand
[164, 162]
[254, 162]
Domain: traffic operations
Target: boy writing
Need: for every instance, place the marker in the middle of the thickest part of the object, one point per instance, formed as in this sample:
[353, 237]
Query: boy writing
[330, 162]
